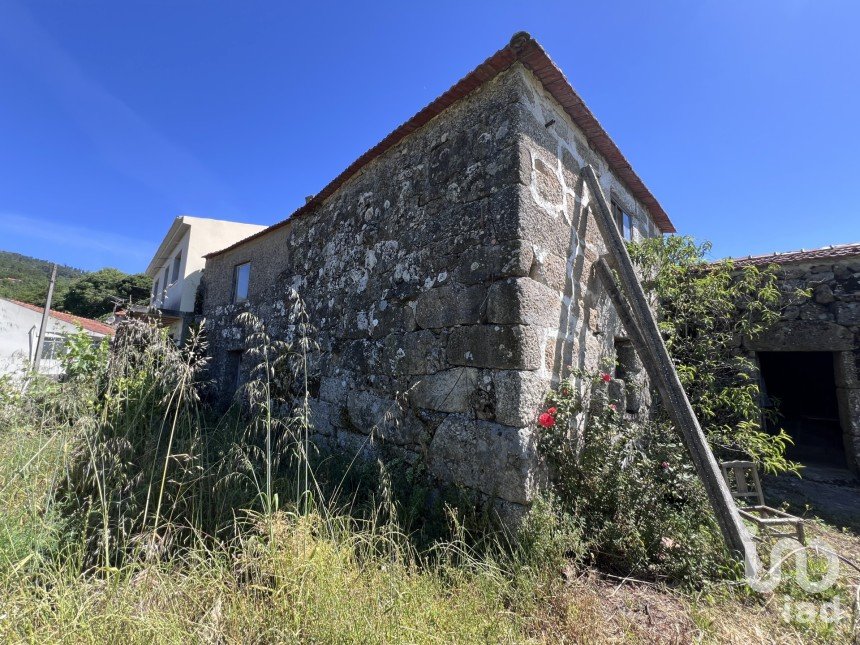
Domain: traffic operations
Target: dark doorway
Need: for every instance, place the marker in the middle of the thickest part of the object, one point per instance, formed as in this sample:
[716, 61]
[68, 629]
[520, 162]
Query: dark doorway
[802, 386]
[232, 374]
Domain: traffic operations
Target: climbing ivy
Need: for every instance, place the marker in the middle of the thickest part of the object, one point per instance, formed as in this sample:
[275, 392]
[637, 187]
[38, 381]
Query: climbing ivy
[705, 309]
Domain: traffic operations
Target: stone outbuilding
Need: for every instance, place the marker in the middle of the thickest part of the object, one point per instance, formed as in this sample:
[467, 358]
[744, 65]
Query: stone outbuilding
[810, 360]
[449, 273]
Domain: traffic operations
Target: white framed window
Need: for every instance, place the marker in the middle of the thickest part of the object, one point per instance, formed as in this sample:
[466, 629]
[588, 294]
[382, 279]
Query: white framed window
[52, 347]
[155, 291]
[241, 278]
[166, 277]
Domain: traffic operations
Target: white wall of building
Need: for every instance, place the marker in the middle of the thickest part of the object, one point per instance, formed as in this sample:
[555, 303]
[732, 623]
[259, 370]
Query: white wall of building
[19, 332]
[190, 238]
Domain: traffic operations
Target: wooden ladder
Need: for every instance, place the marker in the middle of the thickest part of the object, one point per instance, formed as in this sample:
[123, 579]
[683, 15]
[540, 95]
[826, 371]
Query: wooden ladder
[641, 325]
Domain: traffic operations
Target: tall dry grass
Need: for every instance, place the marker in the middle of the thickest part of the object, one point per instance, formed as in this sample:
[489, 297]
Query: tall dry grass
[131, 512]
[134, 512]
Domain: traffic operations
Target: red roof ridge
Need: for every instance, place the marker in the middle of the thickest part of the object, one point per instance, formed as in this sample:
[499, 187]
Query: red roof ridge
[831, 251]
[526, 50]
[87, 323]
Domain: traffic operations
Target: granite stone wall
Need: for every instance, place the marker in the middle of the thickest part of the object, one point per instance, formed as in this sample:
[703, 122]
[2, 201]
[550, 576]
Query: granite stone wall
[450, 282]
[827, 320]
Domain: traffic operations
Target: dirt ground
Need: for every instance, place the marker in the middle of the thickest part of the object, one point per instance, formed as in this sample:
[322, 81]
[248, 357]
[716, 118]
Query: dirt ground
[619, 610]
[824, 492]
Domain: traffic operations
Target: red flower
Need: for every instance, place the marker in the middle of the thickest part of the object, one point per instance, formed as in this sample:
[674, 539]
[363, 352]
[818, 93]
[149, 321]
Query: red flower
[551, 411]
[664, 465]
[613, 407]
[605, 377]
[546, 420]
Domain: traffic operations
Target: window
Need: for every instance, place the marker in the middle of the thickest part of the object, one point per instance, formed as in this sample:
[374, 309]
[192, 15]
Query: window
[155, 291]
[52, 348]
[176, 261]
[166, 277]
[241, 275]
[623, 220]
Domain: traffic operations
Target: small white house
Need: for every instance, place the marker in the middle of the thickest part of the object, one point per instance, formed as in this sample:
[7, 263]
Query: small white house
[177, 266]
[19, 332]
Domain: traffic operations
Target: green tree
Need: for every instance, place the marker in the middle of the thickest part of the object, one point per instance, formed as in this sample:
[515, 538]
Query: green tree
[92, 295]
[26, 279]
[705, 308]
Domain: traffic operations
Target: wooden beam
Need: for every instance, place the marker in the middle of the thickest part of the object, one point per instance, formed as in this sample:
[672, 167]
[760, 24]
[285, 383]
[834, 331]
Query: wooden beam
[641, 325]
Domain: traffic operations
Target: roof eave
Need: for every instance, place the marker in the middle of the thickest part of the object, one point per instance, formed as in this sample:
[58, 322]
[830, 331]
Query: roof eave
[171, 239]
[526, 50]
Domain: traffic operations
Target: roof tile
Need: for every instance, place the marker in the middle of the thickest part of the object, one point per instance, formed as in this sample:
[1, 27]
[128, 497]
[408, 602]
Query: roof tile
[525, 49]
[832, 252]
[89, 324]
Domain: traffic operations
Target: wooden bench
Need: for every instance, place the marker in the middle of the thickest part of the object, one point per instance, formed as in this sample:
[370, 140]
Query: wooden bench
[745, 486]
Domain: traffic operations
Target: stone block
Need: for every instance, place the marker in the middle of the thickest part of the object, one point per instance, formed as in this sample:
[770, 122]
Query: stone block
[522, 301]
[821, 268]
[549, 269]
[820, 278]
[447, 391]
[849, 419]
[487, 263]
[385, 419]
[846, 368]
[519, 396]
[493, 459]
[391, 319]
[823, 294]
[418, 352]
[546, 182]
[792, 273]
[814, 311]
[358, 445]
[847, 313]
[450, 306]
[367, 411]
[617, 393]
[495, 346]
[334, 389]
[509, 514]
[791, 312]
[324, 417]
[803, 336]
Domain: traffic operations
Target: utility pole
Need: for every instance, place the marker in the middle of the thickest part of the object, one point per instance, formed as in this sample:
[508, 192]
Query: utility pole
[45, 315]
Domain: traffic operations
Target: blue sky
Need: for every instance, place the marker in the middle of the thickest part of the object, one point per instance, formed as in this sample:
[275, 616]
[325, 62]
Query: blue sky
[742, 116]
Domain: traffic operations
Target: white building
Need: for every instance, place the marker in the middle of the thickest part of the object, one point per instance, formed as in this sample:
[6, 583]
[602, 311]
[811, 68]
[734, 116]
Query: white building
[19, 332]
[178, 264]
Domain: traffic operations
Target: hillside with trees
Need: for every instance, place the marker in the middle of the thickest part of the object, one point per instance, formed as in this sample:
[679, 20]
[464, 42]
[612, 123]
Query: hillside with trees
[92, 295]
[26, 279]
[88, 294]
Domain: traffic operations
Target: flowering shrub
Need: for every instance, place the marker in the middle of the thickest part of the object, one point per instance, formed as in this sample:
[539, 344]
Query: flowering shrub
[630, 483]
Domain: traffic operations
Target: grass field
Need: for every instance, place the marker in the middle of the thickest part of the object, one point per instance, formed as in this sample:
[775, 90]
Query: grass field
[127, 514]
[330, 579]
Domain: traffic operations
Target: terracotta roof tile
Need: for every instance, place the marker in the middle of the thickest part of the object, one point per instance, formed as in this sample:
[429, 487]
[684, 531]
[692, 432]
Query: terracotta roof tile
[87, 323]
[525, 49]
[832, 252]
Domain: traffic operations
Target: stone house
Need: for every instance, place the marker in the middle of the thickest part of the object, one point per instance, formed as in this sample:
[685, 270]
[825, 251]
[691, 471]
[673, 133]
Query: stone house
[810, 360]
[449, 272]
[177, 265]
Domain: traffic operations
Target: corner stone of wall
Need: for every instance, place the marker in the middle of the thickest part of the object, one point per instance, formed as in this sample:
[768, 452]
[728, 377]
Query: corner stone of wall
[448, 289]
